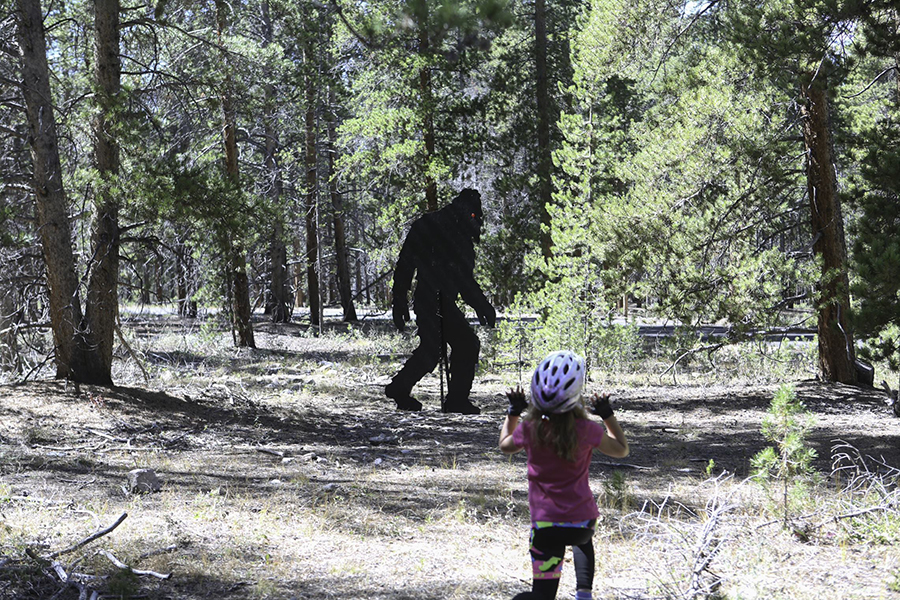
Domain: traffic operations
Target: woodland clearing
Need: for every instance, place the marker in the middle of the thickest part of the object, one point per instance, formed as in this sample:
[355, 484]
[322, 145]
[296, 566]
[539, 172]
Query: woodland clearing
[287, 474]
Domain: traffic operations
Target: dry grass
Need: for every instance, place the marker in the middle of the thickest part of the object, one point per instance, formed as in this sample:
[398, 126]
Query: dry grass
[287, 474]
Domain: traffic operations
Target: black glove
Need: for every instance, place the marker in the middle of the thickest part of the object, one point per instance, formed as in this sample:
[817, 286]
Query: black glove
[401, 313]
[600, 406]
[517, 402]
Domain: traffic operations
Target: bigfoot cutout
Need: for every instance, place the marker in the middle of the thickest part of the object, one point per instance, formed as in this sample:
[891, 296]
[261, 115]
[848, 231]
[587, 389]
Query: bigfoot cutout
[440, 248]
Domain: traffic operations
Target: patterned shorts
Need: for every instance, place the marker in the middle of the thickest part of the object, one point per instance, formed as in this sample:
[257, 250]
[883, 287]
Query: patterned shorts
[549, 541]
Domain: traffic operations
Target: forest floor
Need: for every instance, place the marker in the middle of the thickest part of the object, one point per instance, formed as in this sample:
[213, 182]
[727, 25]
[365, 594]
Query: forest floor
[287, 474]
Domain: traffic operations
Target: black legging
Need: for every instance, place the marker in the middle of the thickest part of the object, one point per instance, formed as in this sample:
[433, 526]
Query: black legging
[550, 543]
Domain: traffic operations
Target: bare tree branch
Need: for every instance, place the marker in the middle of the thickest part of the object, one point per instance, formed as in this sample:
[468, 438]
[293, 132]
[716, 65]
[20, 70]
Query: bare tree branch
[122, 565]
[371, 45]
[678, 35]
[89, 538]
[873, 82]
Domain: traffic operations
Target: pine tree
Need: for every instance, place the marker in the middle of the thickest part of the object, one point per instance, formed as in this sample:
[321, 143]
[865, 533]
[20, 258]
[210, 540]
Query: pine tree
[798, 44]
[872, 117]
[671, 188]
[876, 247]
[531, 75]
[414, 132]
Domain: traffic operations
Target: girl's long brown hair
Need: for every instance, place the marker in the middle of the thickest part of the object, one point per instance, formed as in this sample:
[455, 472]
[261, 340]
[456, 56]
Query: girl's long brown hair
[556, 430]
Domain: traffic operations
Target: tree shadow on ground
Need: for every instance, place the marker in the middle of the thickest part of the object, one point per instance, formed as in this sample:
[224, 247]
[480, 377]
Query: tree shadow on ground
[347, 586]
[675, 432]
[679, 426]
[353, 454]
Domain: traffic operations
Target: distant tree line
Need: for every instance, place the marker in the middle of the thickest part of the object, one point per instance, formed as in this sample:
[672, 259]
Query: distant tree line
[712, 161]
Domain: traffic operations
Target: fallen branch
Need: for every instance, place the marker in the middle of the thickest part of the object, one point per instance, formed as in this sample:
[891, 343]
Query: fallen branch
[122, 565]
[90, 538]
[60, 572]
[41, 500]
[277, 453]
[90, 447]
[860, 512]
[131, 352]
[85, 583]
[625, 466]
[73, 580]
[157, 552]
[704, 582]
[130, 449]
[105, 435]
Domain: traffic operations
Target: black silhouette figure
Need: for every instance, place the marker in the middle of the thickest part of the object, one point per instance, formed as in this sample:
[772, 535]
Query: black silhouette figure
[440, 248]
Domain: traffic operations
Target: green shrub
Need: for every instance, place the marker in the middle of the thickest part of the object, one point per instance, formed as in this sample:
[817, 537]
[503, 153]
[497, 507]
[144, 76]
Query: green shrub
[560, 320]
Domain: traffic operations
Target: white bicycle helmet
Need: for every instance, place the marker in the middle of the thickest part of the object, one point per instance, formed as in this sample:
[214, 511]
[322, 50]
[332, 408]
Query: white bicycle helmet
[557, 382]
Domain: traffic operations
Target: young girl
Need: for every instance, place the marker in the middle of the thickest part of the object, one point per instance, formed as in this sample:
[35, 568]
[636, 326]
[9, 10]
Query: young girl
[559, 437]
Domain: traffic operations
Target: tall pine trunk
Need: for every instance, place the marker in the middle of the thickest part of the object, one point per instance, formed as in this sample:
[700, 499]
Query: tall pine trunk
[337, 205]
[278, 305]
[236, 254]
[836, 350]
[278, 301]
[544, 123]
[299, 296]
[427, 107]
[185, 283]
[102, 296]
[311, 211]
[74, 355]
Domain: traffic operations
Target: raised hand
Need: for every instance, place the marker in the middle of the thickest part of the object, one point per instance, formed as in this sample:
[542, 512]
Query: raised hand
[517, 402]
[600, 406]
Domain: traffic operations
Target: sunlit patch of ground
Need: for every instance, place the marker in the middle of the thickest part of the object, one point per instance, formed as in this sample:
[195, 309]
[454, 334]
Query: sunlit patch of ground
[287, 474]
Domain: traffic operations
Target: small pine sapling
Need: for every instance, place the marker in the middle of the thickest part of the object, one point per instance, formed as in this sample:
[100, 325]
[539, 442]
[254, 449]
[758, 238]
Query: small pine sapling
[789, 461]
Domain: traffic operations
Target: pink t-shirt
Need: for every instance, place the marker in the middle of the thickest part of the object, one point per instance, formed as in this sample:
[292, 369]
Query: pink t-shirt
[559, 490]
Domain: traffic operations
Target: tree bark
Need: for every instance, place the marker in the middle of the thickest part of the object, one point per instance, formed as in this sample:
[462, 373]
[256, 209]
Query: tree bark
[102, 296]
[278, 306]
[299, 296]
[278, 302]
[72, 353]
[836, 350]
[185, 281]
[544, 123]
[311, 211]
[337, 205]
[427, 107]
[241, 308]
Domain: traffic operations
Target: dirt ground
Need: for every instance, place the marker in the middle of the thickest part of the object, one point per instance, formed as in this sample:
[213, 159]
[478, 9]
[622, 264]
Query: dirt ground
[287, 474]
